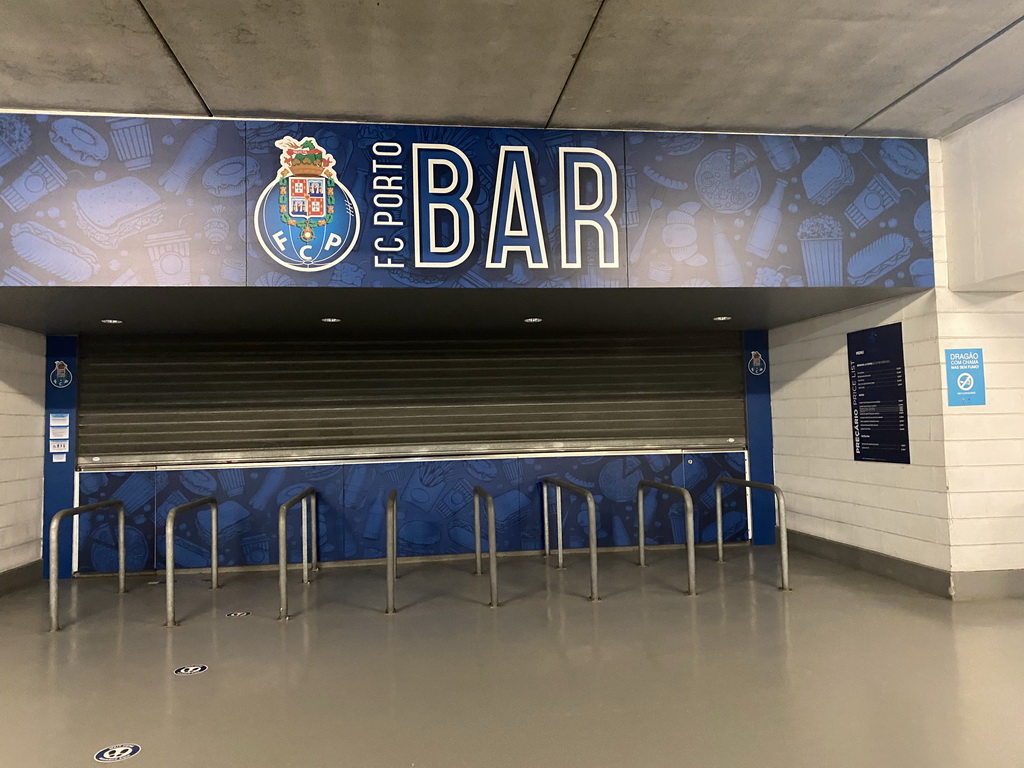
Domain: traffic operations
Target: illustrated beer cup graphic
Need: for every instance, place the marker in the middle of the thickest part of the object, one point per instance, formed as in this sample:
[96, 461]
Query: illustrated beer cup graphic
[132, 141]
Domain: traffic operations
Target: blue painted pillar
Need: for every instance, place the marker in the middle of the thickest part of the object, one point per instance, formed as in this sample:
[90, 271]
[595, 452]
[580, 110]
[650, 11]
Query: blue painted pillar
[59, 447]
[757, 379]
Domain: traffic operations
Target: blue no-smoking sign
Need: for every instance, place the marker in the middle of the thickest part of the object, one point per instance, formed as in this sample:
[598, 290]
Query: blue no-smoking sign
[965, 377]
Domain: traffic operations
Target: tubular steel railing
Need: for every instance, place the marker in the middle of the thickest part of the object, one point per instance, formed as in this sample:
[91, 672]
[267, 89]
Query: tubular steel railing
[391, 549]
[309, 520]
[780, 508]
[55, 525]
[211, 502]
[691, 560]
[492, 544]
[559, 485]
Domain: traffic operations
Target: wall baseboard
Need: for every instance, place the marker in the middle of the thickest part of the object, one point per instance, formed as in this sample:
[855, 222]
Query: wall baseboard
[987, 585]
[21, 577]
[931, 580]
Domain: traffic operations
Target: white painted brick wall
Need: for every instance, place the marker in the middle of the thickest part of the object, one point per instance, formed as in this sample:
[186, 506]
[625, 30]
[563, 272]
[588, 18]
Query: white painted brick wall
[895, 509]
[984, 445]
[960, 505]
[22, 380]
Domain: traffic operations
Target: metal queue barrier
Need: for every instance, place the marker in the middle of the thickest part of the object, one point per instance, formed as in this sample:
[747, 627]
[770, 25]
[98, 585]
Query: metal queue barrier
[559, 485]
[492, 544]
[309, 515]
[391, 548]
[211, 502]
[780, 509]
[691, 560]
[55, 525]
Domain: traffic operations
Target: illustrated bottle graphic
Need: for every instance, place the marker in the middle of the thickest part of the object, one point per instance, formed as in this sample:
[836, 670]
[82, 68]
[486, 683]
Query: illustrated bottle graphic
[781, 151]
[194, 153]
[766, 224]
[728, 268]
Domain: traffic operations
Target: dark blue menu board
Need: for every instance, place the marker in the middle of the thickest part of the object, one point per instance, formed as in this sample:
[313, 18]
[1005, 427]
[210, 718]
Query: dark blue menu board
[878, 394]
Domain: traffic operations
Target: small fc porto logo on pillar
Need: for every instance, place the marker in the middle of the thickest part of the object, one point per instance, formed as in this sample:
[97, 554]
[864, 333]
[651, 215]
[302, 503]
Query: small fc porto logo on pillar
[306, 219]
[60, 376]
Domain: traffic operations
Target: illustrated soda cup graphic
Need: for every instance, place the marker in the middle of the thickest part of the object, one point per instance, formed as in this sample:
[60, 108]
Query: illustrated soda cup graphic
[256, 549]
[781, 151]
[132, 141]
[37, 181]
[726, 265]
[878, 196]
[821, 240]
[766, 225]
[169, 254]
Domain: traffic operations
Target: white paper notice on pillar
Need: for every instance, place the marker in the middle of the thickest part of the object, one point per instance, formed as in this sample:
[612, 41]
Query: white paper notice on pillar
[60, 446]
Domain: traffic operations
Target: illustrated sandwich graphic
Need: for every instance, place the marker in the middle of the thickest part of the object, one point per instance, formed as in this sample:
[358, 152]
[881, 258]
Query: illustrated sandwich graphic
[112, 212]
[883, 255]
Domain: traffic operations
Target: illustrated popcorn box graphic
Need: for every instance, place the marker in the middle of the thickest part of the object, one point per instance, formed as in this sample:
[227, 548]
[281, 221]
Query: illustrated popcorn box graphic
[15, 138]
[821, 240]
[169, 254]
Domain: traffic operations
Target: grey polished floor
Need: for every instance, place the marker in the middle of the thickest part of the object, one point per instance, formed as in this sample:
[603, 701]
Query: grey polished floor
[846, 670]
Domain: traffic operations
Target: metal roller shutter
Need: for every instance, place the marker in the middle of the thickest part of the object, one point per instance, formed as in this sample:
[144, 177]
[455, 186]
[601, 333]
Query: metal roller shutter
[156, 401]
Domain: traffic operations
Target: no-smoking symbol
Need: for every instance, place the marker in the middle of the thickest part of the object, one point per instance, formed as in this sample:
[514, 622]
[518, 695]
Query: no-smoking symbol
[965, 382]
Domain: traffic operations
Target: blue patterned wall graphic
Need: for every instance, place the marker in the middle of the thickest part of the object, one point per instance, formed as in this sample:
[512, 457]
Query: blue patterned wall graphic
[435, 507]
[779, 211]
[125, 201]
[122, 201]
[97, 532]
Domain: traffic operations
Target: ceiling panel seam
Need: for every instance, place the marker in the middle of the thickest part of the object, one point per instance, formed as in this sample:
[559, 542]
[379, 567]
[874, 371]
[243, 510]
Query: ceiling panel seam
[575, 61]
[174, 56]
[941, 72]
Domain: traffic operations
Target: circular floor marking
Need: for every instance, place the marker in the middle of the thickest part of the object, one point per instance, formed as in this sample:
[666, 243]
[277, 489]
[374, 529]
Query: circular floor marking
[191, 669]
[117, 753]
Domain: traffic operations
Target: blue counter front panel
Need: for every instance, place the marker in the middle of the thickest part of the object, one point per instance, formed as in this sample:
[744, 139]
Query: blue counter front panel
[435, 507]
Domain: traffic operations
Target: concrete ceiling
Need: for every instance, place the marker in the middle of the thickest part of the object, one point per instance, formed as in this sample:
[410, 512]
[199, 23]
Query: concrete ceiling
[900, 67]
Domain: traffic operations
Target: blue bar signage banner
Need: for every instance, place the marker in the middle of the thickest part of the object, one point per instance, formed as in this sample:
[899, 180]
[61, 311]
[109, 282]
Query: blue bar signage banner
[878, 395]
[123, 201]
[965, 377]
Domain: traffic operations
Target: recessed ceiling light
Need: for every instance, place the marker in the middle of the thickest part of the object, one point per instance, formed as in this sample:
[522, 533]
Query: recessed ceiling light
[330, 319]
[533, 320]
[95, 458]
[111, 321]
[721, 318]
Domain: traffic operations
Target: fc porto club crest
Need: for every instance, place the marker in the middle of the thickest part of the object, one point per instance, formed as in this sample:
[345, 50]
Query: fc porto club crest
[60, 376]
[306, 219]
